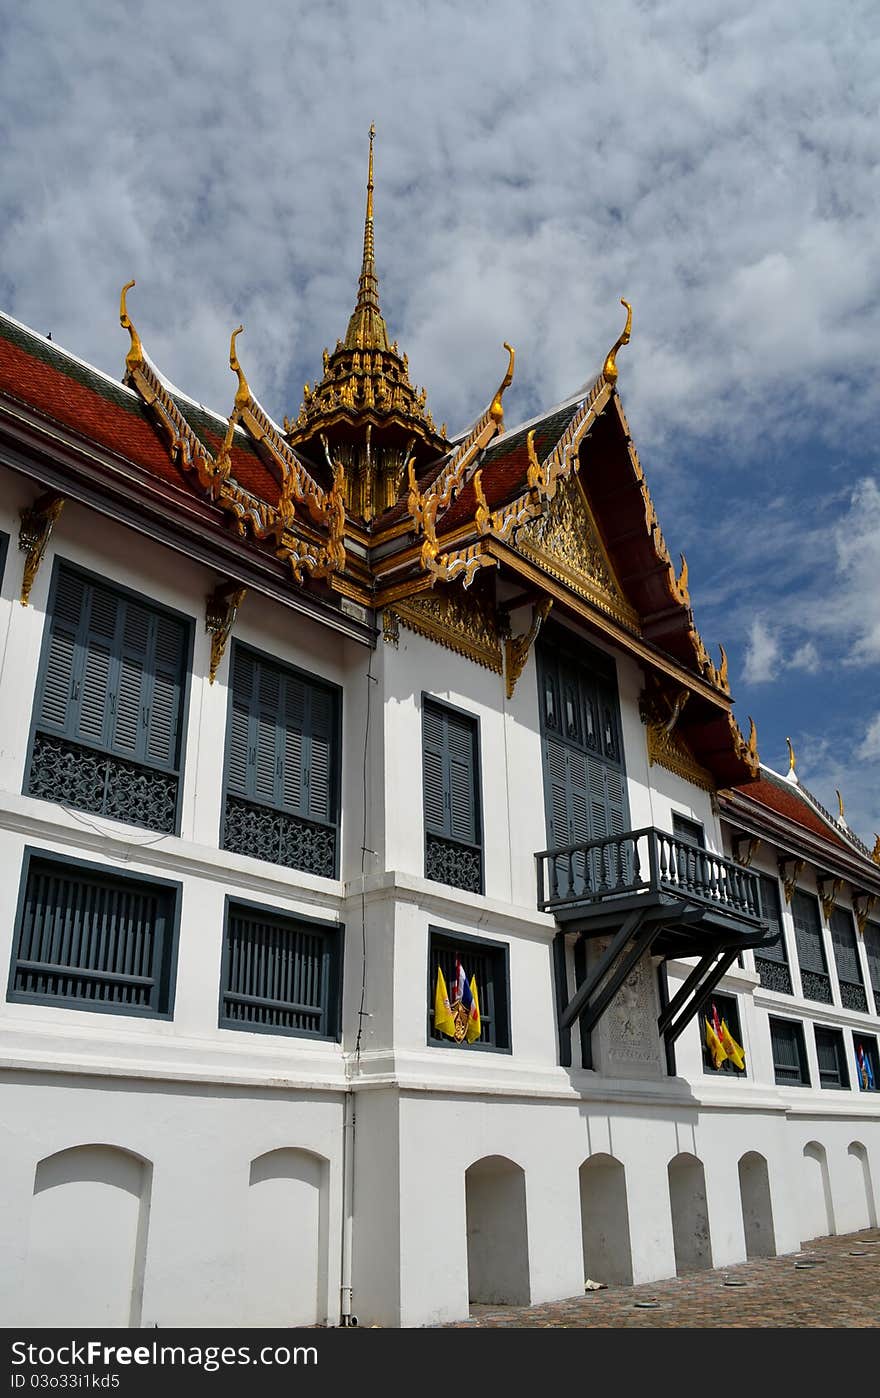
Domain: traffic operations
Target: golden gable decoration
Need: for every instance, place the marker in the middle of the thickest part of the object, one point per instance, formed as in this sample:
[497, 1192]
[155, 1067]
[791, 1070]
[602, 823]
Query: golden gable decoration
[566, 543]
[464, 622]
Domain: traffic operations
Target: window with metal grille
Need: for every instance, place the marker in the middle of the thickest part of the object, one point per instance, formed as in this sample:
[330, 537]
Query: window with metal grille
[789, 1052]
[771, 962]
[92, 939]
[451, 787]
[280, 974]
[872, 950]
[728, 1012]
[488, 963]
[815, 981]
[831, 1057]
[866, 1064]
[846, 956]
[107, 731]
[282, 766]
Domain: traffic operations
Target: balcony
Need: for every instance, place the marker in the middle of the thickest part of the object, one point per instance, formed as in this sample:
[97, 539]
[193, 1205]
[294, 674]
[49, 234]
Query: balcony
[641, 866]
[653, 892]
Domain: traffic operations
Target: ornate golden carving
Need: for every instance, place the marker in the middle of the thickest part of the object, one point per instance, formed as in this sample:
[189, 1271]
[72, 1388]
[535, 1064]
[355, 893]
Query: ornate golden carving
[220, 613]
[37, 523]
[745, 848]
[136, 352]
[829, 892]
[516, 648]
[667, 748]
[875, 852]
[609, 369]
[790, 871]
[249, 512]
[677, 585]
[746, 750]
[565, 541]
[792, 760]
[863, 906]
[496, 410]
[464, 623]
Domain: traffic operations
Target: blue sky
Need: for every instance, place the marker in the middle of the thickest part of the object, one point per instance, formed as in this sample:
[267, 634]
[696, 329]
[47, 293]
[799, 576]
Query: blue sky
[716, 165]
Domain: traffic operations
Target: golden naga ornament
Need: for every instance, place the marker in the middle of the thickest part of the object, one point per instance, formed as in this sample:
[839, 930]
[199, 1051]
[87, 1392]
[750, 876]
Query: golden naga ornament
[609, 369]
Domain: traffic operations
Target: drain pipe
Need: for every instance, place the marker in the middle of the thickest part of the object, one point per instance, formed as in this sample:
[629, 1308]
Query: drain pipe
[346, 1318]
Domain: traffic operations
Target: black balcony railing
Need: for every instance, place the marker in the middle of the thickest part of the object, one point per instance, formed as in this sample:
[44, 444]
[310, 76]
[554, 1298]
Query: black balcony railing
[648, 862]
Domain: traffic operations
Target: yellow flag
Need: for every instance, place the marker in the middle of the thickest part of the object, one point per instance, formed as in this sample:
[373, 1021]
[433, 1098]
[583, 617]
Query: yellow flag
[474, 1028]
[444, 1021]
[716, 1049]
[731, 1047]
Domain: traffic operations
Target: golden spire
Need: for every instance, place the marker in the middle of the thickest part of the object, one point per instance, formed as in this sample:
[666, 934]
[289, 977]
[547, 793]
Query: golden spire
[367, 329]
[792, 761]
[609, 369]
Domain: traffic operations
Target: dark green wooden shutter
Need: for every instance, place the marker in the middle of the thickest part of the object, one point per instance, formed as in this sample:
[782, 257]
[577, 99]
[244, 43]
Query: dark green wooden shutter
[97, 648]
[450, 774]
[240, 735]
[58, 683]
[114, 673]
[773, 914]
[128, 697]
[461, 742]
[435, 769]
[808, 933]
[282, 740]
[165, 692]
[872, 947]
[319, 771]
[556, 769]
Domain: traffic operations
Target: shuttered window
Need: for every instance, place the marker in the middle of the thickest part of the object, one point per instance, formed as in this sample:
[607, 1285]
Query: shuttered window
[815, 981]
[94, 939]
[282, 766]
[108, 720]
[872, 948]
[789, 1052]
[450, 767]
[831, 1057]
[584, 778]
[487, 963]
[281, 975]
[846, 958]
[771, 962]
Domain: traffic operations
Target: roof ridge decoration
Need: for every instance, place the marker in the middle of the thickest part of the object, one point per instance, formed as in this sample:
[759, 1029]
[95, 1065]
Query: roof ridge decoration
[502, 523]
[214, 473]
[838, 826]
[677, 583]
[450, 482]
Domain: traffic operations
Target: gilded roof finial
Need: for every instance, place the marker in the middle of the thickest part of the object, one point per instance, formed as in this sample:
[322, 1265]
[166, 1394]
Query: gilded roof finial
[496, 411]
[875, 852]
[136, 352]
[242, 393]
[367, 329]
[792, 761]
[609, 369]
[841, 817]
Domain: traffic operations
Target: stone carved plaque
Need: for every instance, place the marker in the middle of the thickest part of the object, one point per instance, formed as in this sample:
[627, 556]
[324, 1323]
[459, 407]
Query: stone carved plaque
[626, 1043]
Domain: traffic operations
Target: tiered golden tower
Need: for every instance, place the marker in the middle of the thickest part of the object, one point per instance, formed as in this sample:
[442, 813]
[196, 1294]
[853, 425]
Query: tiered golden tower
[365, 413]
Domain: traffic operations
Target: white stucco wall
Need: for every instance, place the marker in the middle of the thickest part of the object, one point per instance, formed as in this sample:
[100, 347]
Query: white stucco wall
[173, 1113]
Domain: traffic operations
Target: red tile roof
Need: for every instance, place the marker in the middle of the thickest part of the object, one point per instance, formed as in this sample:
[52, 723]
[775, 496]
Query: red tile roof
[784, 798]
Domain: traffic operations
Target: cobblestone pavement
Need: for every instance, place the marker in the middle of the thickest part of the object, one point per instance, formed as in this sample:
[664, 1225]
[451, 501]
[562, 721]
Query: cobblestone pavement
[839, 1289]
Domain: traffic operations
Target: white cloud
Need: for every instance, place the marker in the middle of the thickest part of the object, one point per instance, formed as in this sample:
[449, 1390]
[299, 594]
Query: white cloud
[806, 657]
[762, 655]
[869, 749]
[531, 168]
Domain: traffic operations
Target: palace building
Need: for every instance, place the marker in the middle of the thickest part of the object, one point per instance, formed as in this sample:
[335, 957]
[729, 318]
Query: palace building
[394, 914]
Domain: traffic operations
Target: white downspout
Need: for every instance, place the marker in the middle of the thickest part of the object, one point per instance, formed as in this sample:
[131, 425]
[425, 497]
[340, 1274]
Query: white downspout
[345, 1291]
